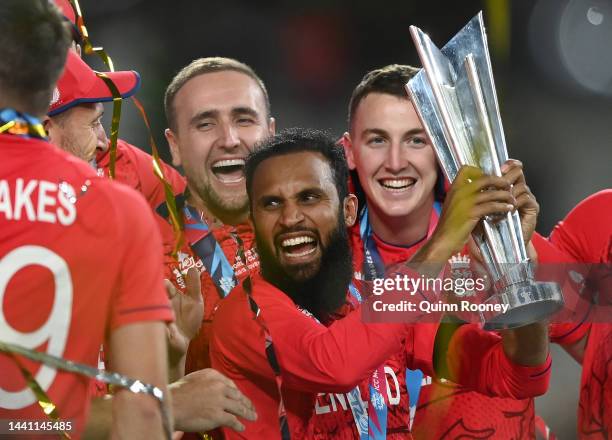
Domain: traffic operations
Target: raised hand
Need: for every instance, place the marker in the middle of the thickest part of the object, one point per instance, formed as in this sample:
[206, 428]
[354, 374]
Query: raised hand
[188, 312]
[472, 196]
[526, 202]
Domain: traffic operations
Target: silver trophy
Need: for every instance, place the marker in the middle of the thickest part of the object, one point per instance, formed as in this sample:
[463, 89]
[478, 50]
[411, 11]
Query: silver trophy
[454, 95]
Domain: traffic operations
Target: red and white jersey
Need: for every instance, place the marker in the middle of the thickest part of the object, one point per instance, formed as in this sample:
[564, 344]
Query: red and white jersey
[444, 409]
[176, 268]
[586, 235]
[134, 168]
[80, 256]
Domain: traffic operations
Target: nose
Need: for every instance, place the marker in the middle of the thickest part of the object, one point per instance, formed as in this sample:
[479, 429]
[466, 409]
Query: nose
[229, 136]
[291, 215]
[102, 143]
[394, 161]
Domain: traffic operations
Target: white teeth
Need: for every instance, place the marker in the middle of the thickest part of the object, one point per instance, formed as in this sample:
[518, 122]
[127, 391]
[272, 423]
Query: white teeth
[301, 254]
[397, 183]
[229, 163]
[297, 240]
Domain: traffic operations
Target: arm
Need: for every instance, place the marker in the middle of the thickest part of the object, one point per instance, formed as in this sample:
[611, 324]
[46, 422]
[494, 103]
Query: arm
[471, 197]
[484, 362]
[312, 357]
[201, 401]
[188, 311]
[205, 400]
[139, 351]
[576, 349]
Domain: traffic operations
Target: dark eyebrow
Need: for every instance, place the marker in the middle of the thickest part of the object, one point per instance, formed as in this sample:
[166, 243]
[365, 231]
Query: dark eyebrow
[380, 132]
[369, 131]
[261, 200]
[312, 189]
[203, 115]
[244, 110]
[414, 131]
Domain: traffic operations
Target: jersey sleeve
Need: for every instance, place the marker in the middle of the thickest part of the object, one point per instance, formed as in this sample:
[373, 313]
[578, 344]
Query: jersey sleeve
[548, 252]
[585, 232]
[150, 185]
[312, 357]
[140, 293]
[476, 360]
[568, 333]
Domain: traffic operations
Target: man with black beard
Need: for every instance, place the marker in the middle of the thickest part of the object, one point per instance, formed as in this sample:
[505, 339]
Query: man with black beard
[274, 336]
[330, 280]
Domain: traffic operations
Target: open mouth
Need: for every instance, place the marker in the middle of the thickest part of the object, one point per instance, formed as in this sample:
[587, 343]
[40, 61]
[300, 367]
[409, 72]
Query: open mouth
[229, 170]
[298, 246]
[397, 185]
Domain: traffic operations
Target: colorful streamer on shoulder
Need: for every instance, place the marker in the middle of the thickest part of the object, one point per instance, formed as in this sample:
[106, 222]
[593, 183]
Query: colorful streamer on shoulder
[175, 218]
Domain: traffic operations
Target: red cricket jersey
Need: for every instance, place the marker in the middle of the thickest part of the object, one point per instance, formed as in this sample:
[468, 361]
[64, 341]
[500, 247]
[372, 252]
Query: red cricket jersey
[70, 271]
[198, 356]
[134, 168]
[586, 235]
[447, 410]
[314, 359]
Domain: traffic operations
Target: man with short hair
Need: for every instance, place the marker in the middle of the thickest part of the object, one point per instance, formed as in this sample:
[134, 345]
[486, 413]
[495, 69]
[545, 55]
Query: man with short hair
[75, 270]
[275, 335]
[217, 110]
[74, 123]
[402, 188]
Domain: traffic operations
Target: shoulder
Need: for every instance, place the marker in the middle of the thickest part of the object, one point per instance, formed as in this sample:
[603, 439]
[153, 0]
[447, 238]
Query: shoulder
[240, 306]
[598, 205]
[586, 230]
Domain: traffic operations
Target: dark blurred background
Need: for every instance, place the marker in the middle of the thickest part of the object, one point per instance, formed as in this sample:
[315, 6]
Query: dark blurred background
[552, 61]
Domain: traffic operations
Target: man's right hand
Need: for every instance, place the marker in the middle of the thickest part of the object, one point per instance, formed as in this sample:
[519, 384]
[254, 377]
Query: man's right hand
[472, 196]
[205, 400]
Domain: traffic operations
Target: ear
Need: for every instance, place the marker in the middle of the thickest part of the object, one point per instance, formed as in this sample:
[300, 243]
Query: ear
[174, 147]
[347, 144]
[350, 210]
[271, 126]
[49, 126]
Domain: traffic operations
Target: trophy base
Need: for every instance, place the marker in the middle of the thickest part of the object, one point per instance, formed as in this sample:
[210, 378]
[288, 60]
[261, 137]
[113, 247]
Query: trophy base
[528, 303]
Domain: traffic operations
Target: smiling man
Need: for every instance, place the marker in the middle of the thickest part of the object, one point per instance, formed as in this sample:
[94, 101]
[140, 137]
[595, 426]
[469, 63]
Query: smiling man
[278, 336]
[217, 110]
[402, 189]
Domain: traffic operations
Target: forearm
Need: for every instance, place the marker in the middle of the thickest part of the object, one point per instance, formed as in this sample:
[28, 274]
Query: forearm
[138, 416]
[527, 345]
[100, 419]
[139, 351]
[341, 356]
[431, 258]
[477, 359]
[176, 365]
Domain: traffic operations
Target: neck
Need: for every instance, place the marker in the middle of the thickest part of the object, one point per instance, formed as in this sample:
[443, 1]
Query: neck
[7, 102]
[214, 219]
[404, 230]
